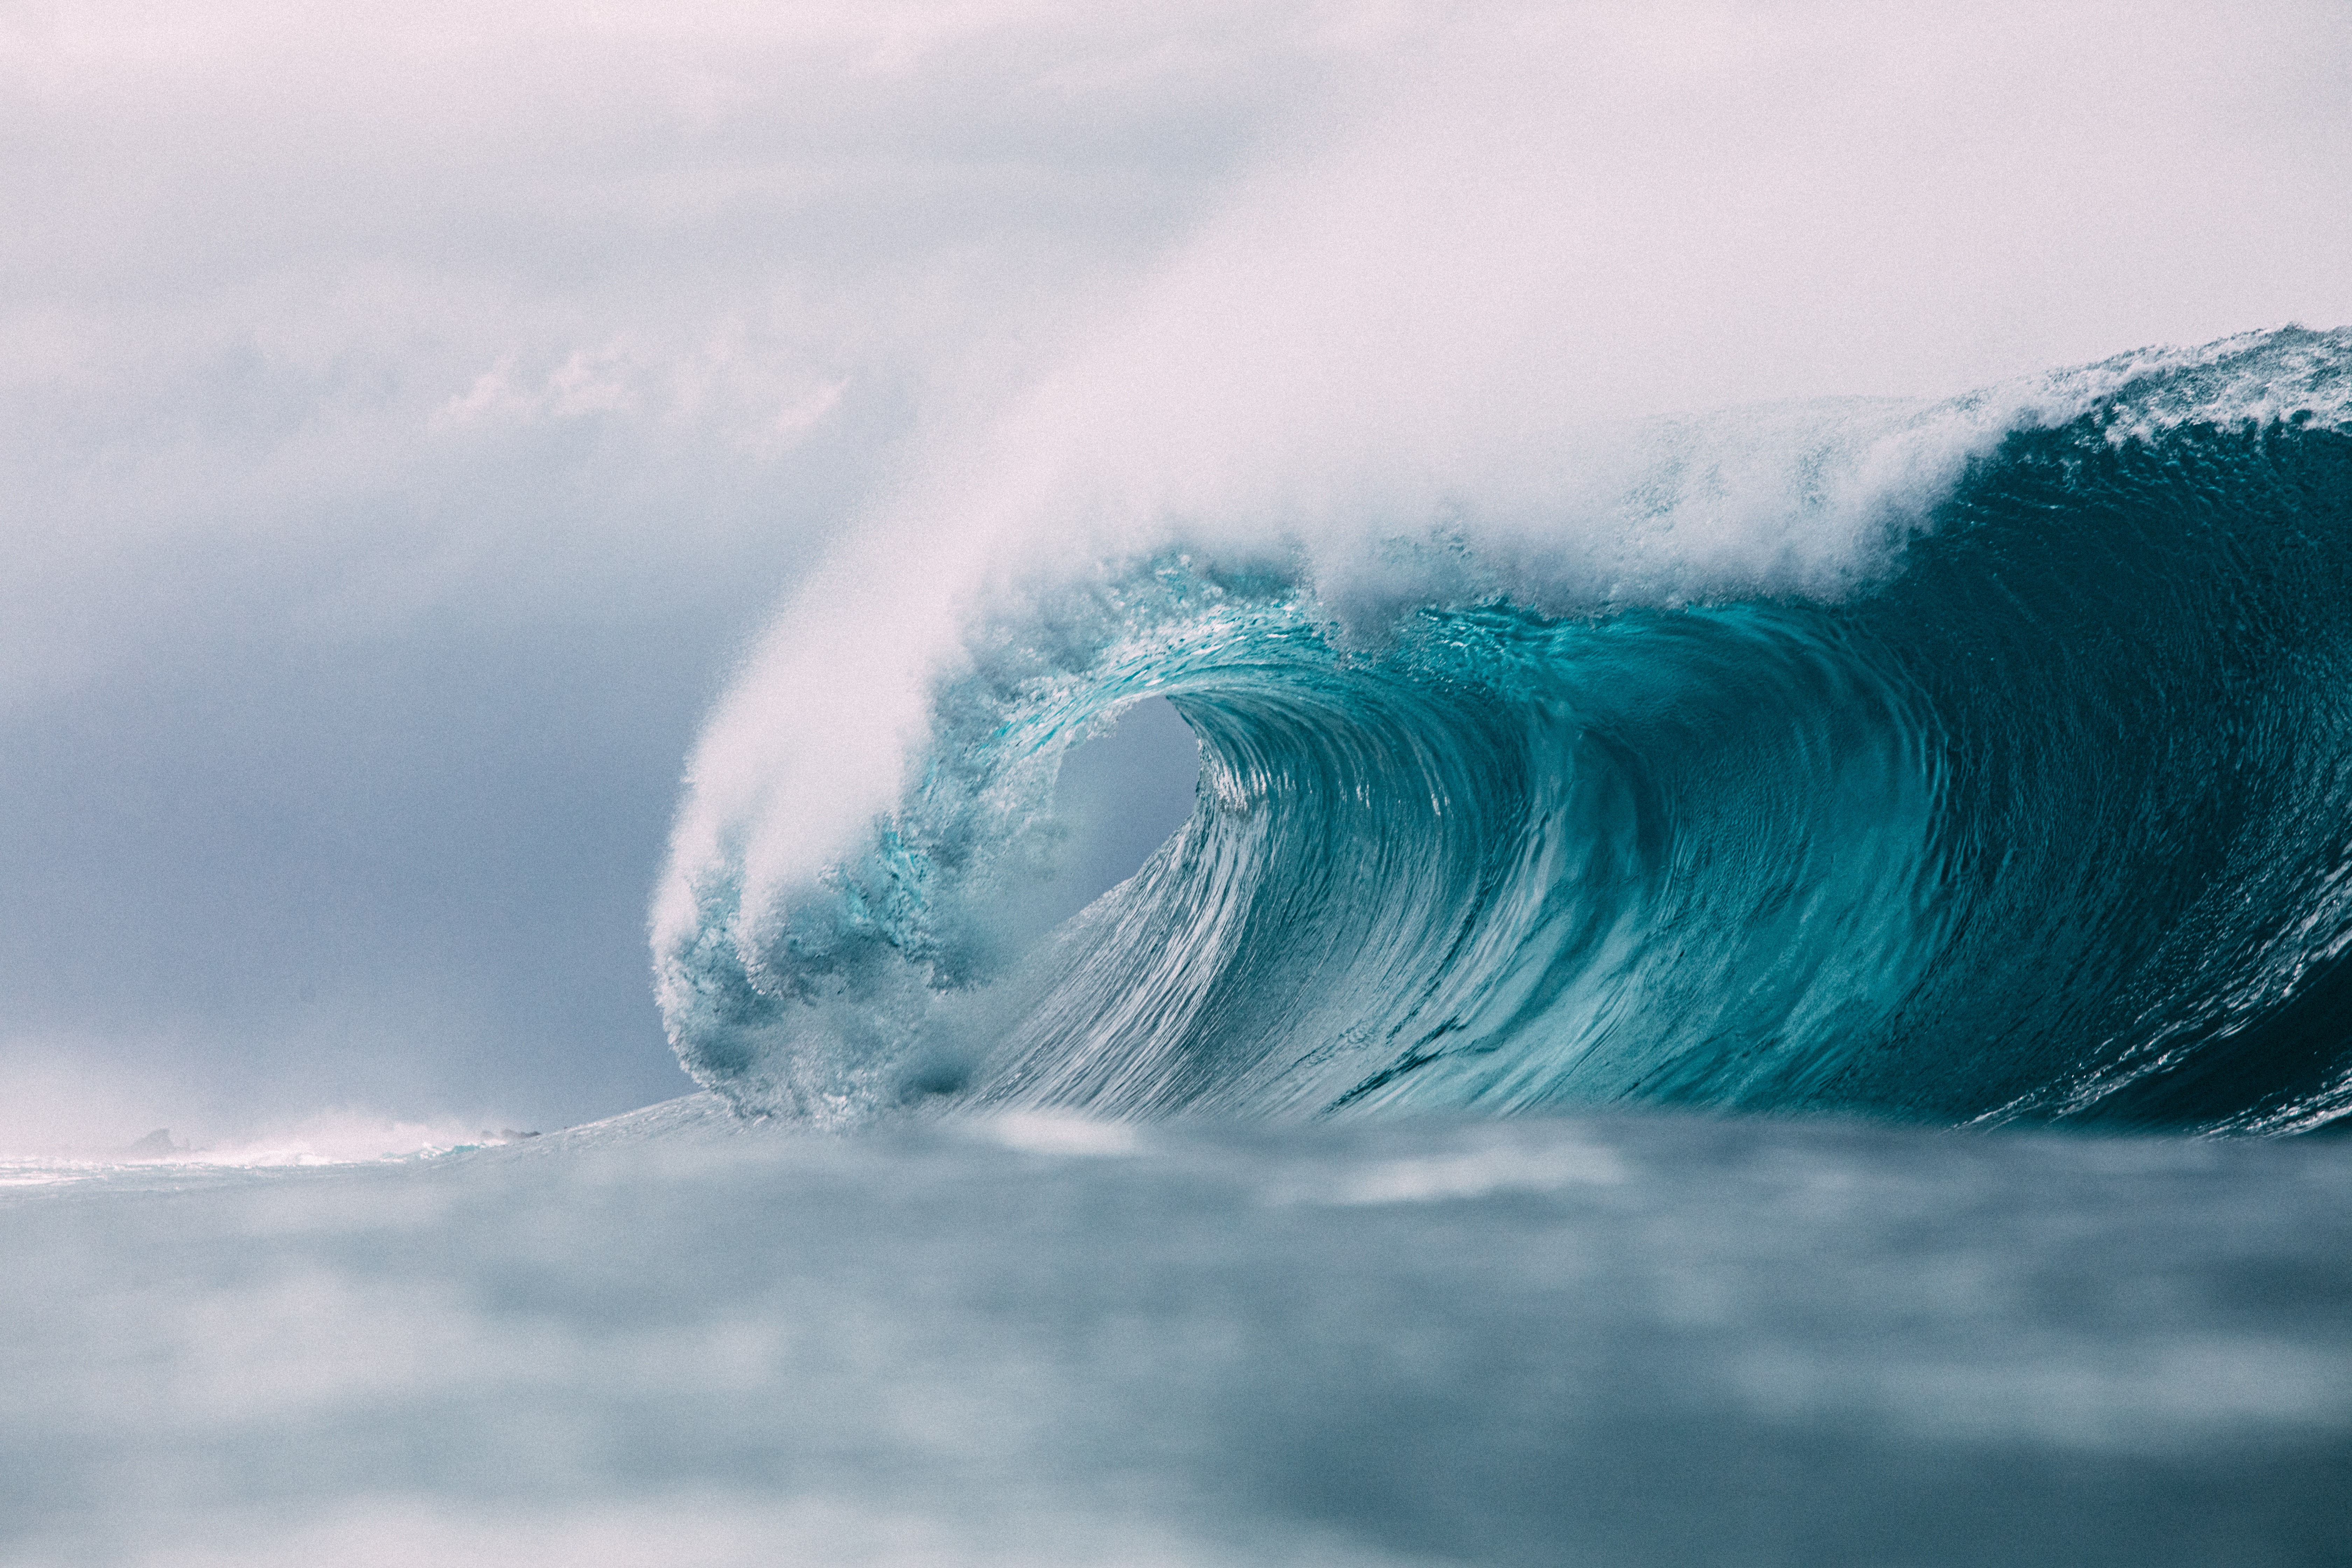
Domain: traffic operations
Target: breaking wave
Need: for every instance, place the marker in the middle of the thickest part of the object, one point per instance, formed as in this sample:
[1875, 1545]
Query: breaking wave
[1984, 760]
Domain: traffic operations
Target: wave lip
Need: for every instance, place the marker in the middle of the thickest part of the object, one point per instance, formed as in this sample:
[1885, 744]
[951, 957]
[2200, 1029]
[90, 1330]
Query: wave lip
[1997, 768]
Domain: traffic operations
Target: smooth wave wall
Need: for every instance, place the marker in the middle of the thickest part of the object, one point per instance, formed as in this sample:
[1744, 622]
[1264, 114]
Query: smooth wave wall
[1978, 758]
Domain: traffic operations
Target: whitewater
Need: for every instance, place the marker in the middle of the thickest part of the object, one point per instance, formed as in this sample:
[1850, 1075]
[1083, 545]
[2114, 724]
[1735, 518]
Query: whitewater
[1754, 987]
[1983, 760]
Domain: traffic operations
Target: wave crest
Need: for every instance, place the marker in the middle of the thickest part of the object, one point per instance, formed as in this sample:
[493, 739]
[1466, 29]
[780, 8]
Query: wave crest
[2027, 799]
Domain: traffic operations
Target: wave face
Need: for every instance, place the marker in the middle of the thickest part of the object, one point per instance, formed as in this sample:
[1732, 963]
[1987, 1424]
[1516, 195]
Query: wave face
[2045, 815]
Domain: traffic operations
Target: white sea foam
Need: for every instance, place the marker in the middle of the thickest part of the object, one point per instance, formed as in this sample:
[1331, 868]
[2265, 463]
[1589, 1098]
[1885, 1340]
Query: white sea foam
[335, 1137]
[1812, 499]
[1050, 1132]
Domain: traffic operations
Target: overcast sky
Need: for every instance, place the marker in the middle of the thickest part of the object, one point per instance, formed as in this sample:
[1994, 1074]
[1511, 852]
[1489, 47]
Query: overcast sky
[409, 413]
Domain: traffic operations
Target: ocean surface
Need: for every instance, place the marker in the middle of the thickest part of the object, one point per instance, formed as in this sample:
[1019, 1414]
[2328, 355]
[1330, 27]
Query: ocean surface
[1781, 997]
[681, 1339]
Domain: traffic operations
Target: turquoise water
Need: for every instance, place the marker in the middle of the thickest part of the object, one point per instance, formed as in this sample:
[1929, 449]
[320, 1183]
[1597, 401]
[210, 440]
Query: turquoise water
[1732, 841]
[2035, 807]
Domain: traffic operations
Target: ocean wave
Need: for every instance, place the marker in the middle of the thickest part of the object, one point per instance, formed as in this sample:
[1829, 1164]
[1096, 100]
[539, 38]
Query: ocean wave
[1983, 760]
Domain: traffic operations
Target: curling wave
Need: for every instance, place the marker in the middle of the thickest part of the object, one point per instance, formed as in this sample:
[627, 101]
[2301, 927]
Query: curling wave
[2035, 803]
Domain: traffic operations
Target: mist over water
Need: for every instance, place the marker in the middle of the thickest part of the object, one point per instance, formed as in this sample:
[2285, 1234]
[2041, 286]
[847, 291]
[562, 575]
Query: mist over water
[1348, 726]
